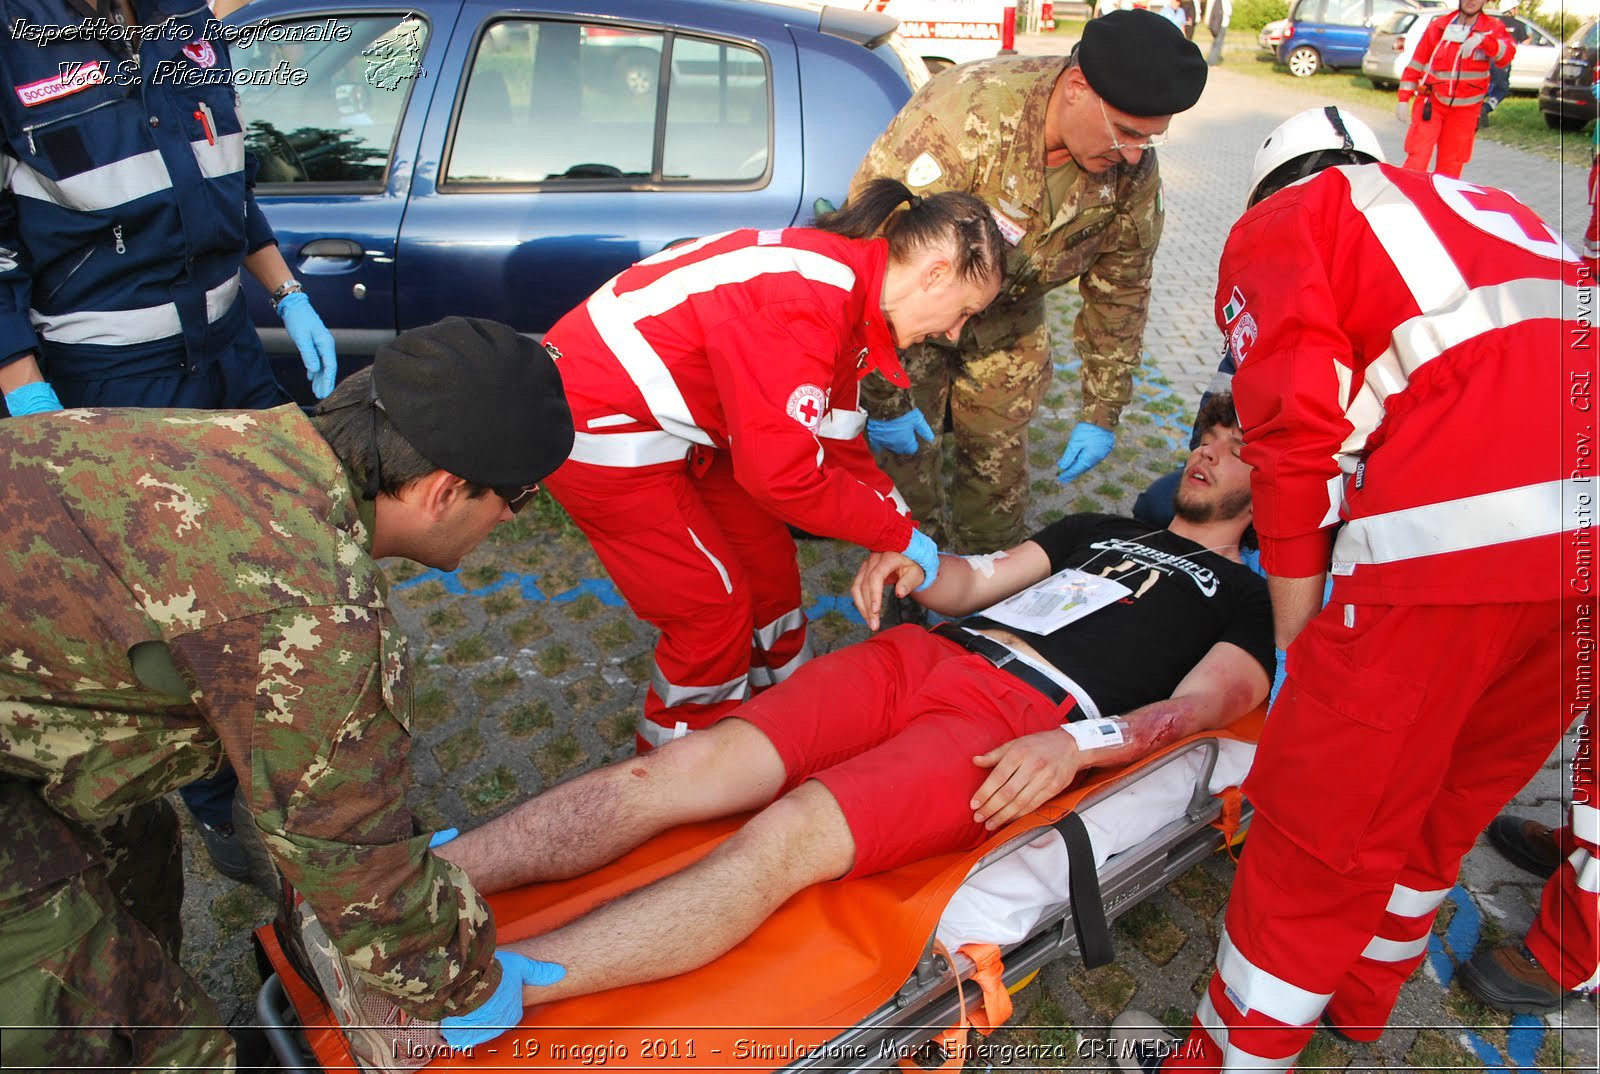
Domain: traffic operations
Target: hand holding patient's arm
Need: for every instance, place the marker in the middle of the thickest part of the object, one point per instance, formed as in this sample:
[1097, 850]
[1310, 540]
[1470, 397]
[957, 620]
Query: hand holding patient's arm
[965, 584]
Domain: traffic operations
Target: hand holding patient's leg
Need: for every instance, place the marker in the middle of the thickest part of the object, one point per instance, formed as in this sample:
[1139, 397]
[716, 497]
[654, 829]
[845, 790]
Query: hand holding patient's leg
[690, 918]
[586, 822]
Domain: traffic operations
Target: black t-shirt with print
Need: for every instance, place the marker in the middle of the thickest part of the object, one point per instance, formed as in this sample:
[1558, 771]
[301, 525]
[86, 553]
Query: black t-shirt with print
[1184, 600]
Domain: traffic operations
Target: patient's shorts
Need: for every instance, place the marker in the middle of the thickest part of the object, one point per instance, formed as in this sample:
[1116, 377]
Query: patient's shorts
[890, 727]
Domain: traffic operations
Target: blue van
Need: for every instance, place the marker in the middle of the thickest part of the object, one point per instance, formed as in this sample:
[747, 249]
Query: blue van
[1334, 33]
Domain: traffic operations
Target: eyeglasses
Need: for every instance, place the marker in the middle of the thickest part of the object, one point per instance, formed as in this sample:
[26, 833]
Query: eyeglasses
[517, 498]
[1152, 140]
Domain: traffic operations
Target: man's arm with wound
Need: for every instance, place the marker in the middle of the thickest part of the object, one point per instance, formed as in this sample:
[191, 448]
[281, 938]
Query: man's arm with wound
[965, 583]
[1029, 771]
[1295, 602]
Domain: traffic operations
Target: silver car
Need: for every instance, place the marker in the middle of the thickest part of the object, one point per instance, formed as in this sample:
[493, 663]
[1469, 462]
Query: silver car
[1394, 41]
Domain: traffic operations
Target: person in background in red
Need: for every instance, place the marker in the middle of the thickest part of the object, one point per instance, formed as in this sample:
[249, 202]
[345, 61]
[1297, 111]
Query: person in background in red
[1591, 234]
[1444, 86]
[714, 393]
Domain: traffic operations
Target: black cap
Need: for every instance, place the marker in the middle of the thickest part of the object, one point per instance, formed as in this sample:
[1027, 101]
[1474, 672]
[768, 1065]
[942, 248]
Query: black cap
[1141, 63]
[476, 399]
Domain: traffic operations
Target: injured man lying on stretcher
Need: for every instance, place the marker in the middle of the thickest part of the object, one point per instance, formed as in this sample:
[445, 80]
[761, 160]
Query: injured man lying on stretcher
[1100, 642]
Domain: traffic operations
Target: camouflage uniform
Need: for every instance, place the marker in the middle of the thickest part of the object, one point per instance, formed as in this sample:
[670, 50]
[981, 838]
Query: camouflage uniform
[980, 128]
[184, 586]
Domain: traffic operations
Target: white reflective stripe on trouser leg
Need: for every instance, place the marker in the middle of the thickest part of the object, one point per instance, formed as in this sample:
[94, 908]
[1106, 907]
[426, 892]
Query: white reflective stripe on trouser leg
[1233, 1057]
[118, 328]
[1586, 823]
[672, 694]
[1382, 950]
[1484, 521]
[654, 733]
[1587, 867]
[1255, 989]
[764, 677]
[767, 636]
[722, 572]
[1409, 902]
[628, 450]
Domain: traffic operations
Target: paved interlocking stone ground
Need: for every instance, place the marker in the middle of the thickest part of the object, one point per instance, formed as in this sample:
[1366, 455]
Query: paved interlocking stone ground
[529, 669]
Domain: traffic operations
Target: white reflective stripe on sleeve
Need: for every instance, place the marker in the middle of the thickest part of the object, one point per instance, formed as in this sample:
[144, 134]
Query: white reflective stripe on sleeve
[223, 158]
[1586, 823]
[122, 327]
[1424, 264]
[1261, 990]
[767, 635]
[842, 424]
[1420, 340]
[722, 572]
[1494, 518]
[609, 421]
[97, 189]
[616, 323]
[899, 502]
[1382, 950]
[1233, 1057]
[1409, 902]
[654, 733]
[628, 449]
[672, 253]
[773, 676]
[1588, 870]
[672, 695]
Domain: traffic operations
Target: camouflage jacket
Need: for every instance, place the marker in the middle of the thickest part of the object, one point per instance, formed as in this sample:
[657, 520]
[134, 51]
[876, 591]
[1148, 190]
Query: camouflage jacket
[184, 585]
[980, 127]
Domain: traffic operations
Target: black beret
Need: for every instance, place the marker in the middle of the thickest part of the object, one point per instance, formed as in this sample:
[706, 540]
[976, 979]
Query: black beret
[1141, 63]
[476, 399]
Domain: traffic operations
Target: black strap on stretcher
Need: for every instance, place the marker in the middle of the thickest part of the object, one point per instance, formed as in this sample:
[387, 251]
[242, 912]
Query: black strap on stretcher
[1083, 885]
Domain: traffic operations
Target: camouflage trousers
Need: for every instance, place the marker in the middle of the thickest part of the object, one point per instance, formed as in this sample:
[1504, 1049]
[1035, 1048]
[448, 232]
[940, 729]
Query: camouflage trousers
[992, 383]
[89, 973]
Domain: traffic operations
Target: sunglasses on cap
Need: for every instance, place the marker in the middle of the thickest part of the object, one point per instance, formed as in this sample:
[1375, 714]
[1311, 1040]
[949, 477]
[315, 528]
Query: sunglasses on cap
[517, 498]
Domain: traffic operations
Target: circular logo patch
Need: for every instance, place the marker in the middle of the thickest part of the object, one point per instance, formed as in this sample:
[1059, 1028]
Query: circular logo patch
[1244, 336]
[806, 404]
[202, 53]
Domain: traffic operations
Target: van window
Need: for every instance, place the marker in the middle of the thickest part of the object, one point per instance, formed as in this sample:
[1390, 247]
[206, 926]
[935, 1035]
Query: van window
[551, 102]
[1345, 13]
[338, 124]
[1308, 11]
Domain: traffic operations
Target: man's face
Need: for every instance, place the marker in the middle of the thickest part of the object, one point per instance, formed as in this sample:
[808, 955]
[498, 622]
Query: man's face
[1216, 482]
[464, 526]
[1098, 136]
[1471, 7]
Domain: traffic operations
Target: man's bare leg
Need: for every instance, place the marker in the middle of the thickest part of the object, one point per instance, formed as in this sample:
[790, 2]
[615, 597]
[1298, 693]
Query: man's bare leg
[577, 826]
[683, 921]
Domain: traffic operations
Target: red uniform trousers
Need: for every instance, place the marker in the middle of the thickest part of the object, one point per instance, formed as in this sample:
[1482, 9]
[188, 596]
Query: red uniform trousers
[1565, 937]
[697, 557]
[1451, 130]
[1392, 745]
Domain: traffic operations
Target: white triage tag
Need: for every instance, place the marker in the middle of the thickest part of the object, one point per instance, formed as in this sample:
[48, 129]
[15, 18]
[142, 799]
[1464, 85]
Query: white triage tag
[1456, 32]
[984, 565]
[1095, 734]
[1064, 597]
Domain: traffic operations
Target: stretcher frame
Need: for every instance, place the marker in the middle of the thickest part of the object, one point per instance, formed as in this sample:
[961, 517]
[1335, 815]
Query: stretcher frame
[931, 999]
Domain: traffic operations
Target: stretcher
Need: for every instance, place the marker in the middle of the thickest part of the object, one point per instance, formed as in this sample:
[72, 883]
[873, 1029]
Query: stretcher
[898, 968]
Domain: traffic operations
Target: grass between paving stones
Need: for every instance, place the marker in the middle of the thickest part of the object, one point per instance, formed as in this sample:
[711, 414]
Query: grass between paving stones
[459, 749]
[528, 719]
[588, 694]
[468, 650]
[1201, 892]
[1151, 929]
[1106, 990]
[584, 607]
[481, 575]
[496, 685]
[531, 628]
[616, 730]
[430, 708]
[490, 791]
[1039, 1040]
[558, 757]
[1432, 1050]
[447, 619]
[555, 659]
[1490, 1024]
[1552, 1053]
[615, 635]
[502, 602]
[1322, 1052]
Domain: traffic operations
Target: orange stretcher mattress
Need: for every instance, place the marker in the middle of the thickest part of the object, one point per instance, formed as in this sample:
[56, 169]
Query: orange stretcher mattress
[829, 957]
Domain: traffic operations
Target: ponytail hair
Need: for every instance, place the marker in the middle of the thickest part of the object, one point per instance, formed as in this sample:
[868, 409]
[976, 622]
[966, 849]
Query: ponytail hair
[951, 221]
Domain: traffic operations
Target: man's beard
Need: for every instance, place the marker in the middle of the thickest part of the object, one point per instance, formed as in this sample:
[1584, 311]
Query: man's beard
[1230, 506]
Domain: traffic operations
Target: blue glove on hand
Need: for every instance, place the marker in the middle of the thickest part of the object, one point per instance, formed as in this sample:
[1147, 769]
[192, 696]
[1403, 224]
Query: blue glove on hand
[1278, 677]
[1594, 90]
[925, 554]
[503, 1010]
[35, 398]
[1087, 447]
[313, 339]
[899, 435]
[441, 837]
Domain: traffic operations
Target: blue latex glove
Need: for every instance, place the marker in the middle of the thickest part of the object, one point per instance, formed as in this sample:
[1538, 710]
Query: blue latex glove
[502, 1010]
[1087, 447]
[313, 339]
[1278, 677]
[441, 837]
[899, 435]
[925, 554]
[1594, 90]
[35, 398]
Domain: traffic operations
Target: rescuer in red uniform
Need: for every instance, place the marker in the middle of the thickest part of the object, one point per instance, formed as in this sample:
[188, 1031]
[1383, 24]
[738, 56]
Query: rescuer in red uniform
[1443, 87]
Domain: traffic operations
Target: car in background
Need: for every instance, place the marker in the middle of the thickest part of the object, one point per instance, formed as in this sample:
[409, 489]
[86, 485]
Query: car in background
[1566, 99]
[1271, 36]
[498, 160]
[1394, 41]
[1335, 33]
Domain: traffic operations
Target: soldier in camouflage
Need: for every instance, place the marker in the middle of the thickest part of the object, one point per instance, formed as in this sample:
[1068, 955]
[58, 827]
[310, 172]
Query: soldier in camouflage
[1059, 148]
[185, 587]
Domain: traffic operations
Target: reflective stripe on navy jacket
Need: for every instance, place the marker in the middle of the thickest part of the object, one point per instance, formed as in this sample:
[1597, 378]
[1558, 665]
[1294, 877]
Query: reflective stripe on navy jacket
[125, 209]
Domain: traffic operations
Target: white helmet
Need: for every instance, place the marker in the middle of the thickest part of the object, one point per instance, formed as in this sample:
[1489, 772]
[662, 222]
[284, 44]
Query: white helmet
[1309, 134]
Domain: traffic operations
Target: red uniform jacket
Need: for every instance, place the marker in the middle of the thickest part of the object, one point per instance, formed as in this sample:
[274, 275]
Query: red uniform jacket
[752, 342]
[1457, 72]
[1408, 347]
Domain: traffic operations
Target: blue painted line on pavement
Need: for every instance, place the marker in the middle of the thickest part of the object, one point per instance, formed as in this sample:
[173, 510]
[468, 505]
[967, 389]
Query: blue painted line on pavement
[527, 585]
[1526, 1034]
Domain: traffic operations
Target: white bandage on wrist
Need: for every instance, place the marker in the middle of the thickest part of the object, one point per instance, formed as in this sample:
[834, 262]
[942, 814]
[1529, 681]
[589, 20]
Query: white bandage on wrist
[984, 565]
[1100, 734]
